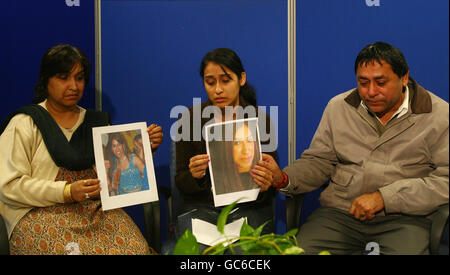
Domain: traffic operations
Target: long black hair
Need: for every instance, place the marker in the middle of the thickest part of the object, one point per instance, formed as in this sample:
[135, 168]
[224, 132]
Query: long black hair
[59, 59]
[227, 178]
[227, 57]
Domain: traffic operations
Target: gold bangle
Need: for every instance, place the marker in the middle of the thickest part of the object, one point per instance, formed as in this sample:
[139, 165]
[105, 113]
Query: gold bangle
[67, 194]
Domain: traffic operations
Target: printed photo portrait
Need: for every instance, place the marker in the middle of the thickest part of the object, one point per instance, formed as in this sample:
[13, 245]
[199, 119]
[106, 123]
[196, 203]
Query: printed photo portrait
[124, 164]
[234, 149]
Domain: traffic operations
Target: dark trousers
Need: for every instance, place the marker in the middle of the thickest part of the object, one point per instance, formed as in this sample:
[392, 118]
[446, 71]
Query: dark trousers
[338, 232]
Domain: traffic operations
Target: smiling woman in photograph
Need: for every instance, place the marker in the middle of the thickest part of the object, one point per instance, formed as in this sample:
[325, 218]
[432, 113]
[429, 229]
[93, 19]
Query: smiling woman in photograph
[127, 171]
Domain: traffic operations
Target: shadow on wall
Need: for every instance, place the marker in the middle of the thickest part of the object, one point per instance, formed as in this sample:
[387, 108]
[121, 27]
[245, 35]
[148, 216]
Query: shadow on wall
[107, 105]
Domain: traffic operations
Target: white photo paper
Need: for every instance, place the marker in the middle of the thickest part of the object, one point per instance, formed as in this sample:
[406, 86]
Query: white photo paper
[207, 233]
[124, 162]
[234, 148]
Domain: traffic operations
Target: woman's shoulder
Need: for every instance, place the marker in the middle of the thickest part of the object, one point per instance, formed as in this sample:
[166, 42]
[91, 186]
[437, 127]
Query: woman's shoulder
[21, 118]
[23, 114]
[135, 159]
[20, 122]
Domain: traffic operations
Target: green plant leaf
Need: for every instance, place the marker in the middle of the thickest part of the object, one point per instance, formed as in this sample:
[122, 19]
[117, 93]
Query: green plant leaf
[292, 232]
[283, 241]
[256, 248]
[294, 250]
[187, 245]
[246, 230]
[222, 220]
[258, 230]
[324, 253]
[220, 250]
[284, 246]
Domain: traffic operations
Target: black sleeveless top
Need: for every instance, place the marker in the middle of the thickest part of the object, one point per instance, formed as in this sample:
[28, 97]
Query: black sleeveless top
[78, 154]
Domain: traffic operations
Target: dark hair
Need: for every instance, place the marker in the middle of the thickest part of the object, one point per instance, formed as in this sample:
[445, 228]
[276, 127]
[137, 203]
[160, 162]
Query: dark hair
[382, 51]
[226, 175]
[227, 57]
[136, 137]
[121, 140]
[59, 59]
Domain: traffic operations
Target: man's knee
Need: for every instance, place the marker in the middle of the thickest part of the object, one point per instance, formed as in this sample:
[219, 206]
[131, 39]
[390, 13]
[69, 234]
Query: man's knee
[324, 231]
[407, 239]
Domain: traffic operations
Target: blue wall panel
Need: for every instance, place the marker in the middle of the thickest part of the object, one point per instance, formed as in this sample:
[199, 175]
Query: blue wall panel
[29, 28]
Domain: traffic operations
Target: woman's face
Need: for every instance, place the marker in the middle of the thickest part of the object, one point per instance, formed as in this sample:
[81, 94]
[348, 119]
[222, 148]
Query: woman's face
[117, 149]
[66, 89]
[222, 86]
[243, 149]
[138, 144]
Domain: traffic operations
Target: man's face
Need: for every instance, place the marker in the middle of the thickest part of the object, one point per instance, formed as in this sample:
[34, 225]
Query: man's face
[380, 88]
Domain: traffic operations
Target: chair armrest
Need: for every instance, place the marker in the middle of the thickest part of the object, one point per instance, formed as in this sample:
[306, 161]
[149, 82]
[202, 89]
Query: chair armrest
[437, 227]
[4, 241]
[152, 219]
[294, 206]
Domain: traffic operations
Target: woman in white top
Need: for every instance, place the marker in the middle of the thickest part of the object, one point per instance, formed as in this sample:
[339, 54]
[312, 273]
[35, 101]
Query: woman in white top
[49, 191]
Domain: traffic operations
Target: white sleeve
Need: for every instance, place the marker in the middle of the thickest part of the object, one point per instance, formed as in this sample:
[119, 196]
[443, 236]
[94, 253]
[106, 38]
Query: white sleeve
[27, 171]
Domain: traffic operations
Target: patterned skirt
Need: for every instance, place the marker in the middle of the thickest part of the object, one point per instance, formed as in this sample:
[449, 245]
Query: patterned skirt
[77, 228]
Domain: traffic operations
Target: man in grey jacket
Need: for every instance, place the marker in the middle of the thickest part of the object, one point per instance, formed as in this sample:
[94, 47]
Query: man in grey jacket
[383, 147]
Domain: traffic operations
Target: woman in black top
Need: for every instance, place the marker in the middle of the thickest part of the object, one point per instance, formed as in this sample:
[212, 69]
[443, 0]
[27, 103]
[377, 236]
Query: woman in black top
[226, 85]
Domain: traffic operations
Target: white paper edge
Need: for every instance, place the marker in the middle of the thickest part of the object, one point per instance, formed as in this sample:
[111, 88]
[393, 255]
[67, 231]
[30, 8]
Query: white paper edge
[246, 195]
[207, 233]
[124, 200]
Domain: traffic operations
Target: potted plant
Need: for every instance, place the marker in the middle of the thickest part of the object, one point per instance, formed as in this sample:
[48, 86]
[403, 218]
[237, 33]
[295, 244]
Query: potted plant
[250, 241]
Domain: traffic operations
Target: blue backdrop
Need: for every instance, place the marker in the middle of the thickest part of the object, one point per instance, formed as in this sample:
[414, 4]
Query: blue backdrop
[159, 72]
[28, 29]
[151, 54]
